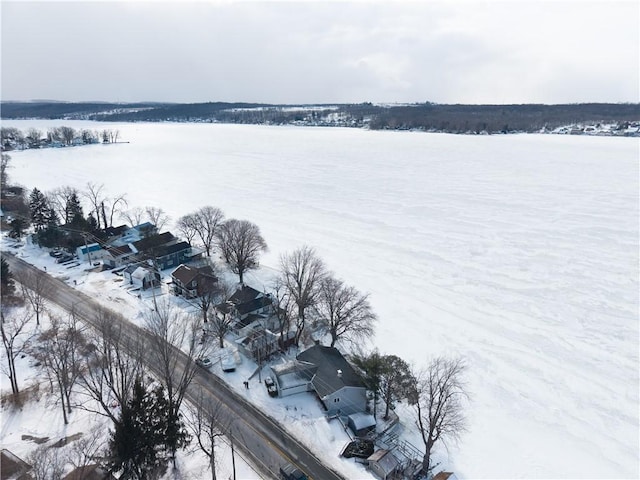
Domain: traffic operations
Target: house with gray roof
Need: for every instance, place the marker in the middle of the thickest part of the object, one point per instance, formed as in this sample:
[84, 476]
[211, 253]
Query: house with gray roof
[328, 374]
[383, 464]
[118, 256]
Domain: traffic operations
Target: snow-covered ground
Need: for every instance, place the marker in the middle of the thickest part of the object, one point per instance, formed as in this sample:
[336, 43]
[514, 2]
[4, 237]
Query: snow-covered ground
[518, 252]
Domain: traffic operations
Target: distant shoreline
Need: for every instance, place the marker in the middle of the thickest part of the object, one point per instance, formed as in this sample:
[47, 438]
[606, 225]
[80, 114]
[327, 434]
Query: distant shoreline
[605, 119]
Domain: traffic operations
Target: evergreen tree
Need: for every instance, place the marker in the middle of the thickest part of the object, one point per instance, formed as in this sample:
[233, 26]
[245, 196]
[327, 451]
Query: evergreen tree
[92, 223]
[73, 209]
[139, 442]
[17, 228]
[6, 279]
[38, 209]
[396, 381]
[51, 235]
[373, 366]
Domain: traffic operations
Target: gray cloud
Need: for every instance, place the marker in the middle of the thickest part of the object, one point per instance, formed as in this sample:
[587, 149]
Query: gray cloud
[495, 52]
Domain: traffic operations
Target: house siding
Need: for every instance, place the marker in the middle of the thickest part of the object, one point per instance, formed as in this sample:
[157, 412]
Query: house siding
[346, 401]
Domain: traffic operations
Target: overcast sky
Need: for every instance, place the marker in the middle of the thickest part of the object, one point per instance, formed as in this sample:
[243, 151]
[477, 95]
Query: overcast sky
[322, 52]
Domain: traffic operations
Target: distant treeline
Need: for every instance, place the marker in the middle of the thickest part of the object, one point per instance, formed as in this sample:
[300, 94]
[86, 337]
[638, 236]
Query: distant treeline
[501, 118]
[424, 116]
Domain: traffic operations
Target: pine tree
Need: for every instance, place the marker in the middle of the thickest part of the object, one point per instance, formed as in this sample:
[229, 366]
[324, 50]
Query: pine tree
[38, 209]
[139, 444]
[6, 278]
[73, 209]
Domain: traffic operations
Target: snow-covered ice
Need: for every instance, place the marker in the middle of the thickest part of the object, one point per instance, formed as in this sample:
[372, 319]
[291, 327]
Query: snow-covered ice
[519, 252]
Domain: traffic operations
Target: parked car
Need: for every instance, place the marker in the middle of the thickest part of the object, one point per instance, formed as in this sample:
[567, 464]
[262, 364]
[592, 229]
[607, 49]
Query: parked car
[64, 258]
[204, 362]
[271, 387]
[227, 363]
[291, 472]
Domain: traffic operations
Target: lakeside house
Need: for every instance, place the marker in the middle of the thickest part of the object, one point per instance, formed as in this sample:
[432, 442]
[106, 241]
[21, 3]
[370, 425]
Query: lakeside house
[326, 372]
[91, 253]
[141, 276]
[192, 282]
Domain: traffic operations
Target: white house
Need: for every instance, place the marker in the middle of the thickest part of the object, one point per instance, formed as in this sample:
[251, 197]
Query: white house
[90, 253]
[141, 276]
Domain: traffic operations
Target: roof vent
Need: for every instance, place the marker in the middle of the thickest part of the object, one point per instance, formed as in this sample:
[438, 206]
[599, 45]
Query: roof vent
[339, 373]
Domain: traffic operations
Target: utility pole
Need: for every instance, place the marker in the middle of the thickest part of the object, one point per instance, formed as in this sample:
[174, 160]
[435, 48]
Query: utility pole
[233, 456]
[84, 235]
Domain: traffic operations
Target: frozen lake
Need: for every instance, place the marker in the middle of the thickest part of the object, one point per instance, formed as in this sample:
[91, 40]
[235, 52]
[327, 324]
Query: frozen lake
[518, 252]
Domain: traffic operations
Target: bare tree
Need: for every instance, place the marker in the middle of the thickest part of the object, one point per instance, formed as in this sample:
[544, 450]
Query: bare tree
[207, 221]
[157, 216]
[35, 288]
[61, 199]
[241, 244]
[15, 339]
[95, 196]
[59, 350]
[46, 463]
[222, 318]
[112, 367]
[302, 272]
[116, 207]
[67, 134]
[134, 216]
[211, 290]
[173, 334]
[88, 136]
[437, 398]
[33, 137]
[345, 312]
[186, 225]
[284, 308]
[207, 423]
[86, 450]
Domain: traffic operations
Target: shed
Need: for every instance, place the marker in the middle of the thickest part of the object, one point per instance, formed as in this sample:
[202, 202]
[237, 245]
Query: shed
[141, 276]
[383, 464]
[361, 423]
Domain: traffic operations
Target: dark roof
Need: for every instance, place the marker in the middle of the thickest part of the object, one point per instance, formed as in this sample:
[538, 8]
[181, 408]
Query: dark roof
[13, 466]
[115, 231]
[249, 319]
[89, 472]
[178, 247]
[119, 251]
[253, 305]
[131, 268]
[186, 274]
[154, 241]
[334, 372]
[244, 294]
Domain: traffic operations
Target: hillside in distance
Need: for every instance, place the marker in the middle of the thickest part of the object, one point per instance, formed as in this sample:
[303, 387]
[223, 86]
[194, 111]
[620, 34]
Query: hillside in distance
[418, 116]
